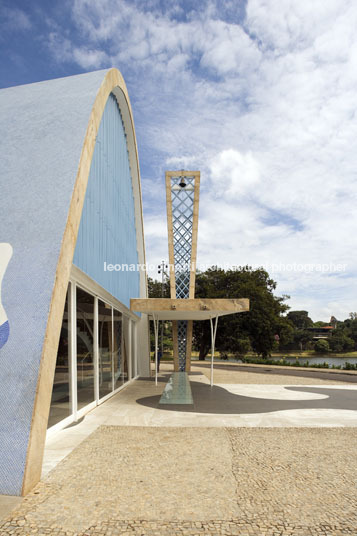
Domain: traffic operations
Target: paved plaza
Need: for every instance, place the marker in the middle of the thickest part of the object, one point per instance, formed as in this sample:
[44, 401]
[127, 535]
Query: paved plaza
[258, 454]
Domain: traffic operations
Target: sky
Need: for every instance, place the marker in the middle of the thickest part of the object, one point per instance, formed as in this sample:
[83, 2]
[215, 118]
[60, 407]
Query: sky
[259, 95]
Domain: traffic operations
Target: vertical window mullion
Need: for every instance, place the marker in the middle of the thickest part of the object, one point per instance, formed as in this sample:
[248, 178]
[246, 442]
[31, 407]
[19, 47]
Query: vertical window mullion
[130, 350]
[96, 351]
[112, 352]
[73, 356]
[135, 342]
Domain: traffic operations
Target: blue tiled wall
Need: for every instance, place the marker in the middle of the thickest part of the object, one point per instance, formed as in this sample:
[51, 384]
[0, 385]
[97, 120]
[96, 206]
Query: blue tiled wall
[42, 130]
[107, 230]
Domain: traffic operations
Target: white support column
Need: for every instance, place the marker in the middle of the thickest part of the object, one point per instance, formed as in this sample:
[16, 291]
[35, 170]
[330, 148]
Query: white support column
[112, 352]
[156, 331]
[213, 340]
[73, 353]
[135, 342]
[96, 351]
[130, 350]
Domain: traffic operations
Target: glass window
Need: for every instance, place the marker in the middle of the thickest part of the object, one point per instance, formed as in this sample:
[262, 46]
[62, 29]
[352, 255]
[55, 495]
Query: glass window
[85, 348]
[125, 361]
[119, 364]
[61, 402]
[133, 344]
[105, 344]
[113, 357]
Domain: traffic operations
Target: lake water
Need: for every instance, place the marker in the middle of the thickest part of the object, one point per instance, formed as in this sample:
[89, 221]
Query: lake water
[315, 360]
[321, 359]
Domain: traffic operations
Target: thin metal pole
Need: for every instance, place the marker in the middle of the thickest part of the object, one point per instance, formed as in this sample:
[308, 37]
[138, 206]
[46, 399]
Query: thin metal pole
[161, 271]
[213, 340]
[162, 322]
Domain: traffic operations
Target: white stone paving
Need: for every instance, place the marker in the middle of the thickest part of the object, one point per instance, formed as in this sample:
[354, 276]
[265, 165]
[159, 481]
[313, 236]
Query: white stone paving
[123, 410]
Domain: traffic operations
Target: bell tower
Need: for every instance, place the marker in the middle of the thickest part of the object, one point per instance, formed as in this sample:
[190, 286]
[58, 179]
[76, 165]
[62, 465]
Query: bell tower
[182, 200]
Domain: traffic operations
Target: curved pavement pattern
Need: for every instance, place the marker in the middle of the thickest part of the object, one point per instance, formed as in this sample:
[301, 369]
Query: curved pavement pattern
[219, 400]
[247, 460]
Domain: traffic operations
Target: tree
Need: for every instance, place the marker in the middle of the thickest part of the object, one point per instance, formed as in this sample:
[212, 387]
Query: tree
[320, 324]
[302, 338]
[155, 291]
[286, 332]
[349, 327]
[322, 346]
[300, 319]
[155, 288]
[340, 342]
[301, 322]
[258, 326]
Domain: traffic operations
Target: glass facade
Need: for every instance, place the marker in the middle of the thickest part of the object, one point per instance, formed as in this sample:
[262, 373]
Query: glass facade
[85, 348]
[61, 406]
[118, 348]
[125, 367]
[101, 347]
[105, 347]
[133, 353]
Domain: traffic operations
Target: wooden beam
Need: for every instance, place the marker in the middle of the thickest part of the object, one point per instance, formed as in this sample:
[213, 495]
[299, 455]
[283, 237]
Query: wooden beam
[170, 235]
[196, 199]
[192, 304]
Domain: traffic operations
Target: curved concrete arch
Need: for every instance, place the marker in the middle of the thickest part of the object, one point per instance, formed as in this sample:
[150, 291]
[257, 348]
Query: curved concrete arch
[113, 83]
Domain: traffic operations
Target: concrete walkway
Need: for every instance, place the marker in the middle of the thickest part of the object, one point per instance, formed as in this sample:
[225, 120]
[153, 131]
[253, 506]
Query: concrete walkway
[224, 405]
[248, 459]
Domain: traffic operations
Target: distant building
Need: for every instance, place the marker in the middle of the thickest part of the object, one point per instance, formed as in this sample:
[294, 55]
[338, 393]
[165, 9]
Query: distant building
[321, 332]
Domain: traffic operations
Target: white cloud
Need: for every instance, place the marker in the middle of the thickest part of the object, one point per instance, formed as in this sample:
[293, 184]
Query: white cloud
[89, 58]
[265, 107]
[229, 49]
[60, 47]
[63, 50]
[14, 19]
[234, 173]
[181, 162]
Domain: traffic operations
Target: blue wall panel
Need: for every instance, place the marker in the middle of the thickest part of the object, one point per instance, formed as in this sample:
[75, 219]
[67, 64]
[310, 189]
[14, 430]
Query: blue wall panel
[42, 130]
[107, 230]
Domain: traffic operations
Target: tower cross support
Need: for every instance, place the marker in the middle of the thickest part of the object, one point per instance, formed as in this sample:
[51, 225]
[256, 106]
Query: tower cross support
[182, 201]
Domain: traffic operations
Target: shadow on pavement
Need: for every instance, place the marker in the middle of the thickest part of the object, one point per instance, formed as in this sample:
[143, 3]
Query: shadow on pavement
[218, 400]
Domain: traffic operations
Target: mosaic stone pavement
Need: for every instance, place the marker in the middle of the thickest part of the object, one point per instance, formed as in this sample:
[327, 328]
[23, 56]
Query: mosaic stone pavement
[193, 481]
